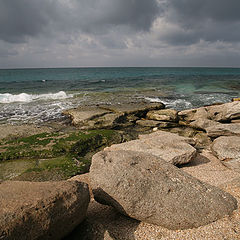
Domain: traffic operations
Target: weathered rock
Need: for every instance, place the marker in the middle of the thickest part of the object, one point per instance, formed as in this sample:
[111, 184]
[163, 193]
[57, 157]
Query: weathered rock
[170, 147]
[227, 149]
[224, 112]
[167, 115]
[193, 114]
[203, 123]
[105, 116]
[46, 210]
[83, 114]
[223, 130]
[219, 112]
[149, 189]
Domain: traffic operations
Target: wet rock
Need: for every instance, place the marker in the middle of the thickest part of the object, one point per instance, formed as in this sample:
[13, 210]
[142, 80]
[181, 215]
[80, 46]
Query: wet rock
[166, 115]
[49, 210]
[149, 189]
[170, 147]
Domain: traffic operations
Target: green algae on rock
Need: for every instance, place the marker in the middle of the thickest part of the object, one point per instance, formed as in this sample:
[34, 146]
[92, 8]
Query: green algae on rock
[52, 156]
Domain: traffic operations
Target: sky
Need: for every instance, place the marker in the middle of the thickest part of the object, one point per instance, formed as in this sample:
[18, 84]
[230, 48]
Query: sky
[88, 33]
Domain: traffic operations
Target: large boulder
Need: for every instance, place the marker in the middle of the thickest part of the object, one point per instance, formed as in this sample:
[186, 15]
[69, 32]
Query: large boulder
[227, 149]
[193, 114]
[219, 129]
[149, 189]
[46, 210]
[169, 146]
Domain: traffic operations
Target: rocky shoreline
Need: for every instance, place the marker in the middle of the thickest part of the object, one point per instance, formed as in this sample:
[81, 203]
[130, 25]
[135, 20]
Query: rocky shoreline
[159, 173]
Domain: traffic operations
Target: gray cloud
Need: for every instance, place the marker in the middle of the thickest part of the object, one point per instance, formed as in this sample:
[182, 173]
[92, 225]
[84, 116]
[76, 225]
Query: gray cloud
[44, 33]
[215, 20]
[30, 18]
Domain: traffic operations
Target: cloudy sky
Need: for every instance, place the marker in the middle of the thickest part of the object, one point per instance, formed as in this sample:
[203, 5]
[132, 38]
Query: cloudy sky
[78, 33]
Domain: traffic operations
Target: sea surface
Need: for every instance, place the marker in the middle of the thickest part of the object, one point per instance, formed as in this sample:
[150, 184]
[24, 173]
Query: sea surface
[40, 95]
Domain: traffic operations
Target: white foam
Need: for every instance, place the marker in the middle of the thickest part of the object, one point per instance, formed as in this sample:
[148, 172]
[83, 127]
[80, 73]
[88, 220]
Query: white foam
[24, 97]
[178, 103]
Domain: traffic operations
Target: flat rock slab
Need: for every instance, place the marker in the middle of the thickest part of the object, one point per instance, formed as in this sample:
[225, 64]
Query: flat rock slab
[46, 210]
[227, 149]
[149, 189]
[223, 130]
[105, 116]
[169, 146]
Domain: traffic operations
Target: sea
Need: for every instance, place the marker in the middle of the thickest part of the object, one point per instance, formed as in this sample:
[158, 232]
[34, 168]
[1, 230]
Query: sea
[40, 95]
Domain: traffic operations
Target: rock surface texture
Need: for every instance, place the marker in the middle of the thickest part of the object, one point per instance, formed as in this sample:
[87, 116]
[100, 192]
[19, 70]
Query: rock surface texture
[46, 210]
[227, 149]
[151, 190]
[170, 147]
[107, 116]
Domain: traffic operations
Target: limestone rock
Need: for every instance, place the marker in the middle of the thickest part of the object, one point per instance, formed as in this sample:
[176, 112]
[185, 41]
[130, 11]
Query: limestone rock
[170, 147]
[223, 130]
[227, 147]
[224, 112]
[167, 115]
[147, 123]
[193, 114]
[105, 116]
[149, 189]
[46, 210]
[203, 123]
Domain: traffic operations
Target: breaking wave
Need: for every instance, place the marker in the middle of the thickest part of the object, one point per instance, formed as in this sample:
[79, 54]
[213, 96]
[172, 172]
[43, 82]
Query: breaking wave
[24, 97]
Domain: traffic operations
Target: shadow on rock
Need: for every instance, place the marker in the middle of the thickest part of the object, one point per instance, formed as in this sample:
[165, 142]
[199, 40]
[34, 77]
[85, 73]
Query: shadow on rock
[198, 160]
[104, 222]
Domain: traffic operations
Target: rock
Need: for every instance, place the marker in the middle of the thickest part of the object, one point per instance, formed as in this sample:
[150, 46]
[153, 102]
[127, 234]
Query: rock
[203, 123]
[224, 112]
[235, 99]
[83, 178]
[193, 114]
[149, 189]
[219, 112]
[83, 114]
[153, 123]
[170, 147]
[227, 149]
[147, 123]
[46, 210]
[223, 130]
[105, 116]
[167, 115]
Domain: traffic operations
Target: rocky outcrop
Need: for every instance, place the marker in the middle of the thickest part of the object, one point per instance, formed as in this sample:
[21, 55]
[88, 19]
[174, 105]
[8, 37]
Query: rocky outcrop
[149, 189]
[170, 147]
[107, 116]
[46, 210]
[220, 113]
[227, 149]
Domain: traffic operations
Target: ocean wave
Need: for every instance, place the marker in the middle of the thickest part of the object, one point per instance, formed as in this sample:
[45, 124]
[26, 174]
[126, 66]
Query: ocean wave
[177, 103]
[24, 97]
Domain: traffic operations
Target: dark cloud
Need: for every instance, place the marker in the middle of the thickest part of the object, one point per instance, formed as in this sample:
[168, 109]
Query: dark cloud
[215, 20]
[20, 19]
[29, 18]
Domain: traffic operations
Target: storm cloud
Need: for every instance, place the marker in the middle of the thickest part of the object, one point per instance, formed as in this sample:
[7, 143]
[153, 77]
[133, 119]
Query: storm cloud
[51, 33]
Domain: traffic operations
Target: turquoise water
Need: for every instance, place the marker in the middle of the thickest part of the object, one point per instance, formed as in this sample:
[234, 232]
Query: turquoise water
[38, 95]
